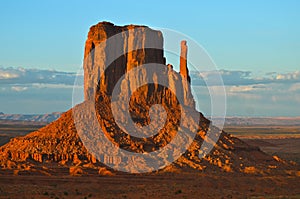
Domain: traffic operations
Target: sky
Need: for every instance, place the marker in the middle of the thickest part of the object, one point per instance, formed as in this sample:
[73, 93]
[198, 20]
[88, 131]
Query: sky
[255, 45]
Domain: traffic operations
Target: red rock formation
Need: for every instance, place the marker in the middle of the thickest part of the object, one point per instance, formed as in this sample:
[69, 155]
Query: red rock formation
[183, 61]
[120, 53]
[59, 144]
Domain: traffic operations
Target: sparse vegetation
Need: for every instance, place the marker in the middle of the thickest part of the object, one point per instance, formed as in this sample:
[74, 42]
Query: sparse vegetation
[77, 192]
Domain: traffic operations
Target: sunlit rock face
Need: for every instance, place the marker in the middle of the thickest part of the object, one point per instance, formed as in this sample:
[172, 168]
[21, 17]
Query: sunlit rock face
[119, 48]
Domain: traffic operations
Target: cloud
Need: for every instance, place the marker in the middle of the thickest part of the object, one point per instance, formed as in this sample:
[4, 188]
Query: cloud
[289, 76]
[239, 78]
[22, 76]
[18, 88]
[7, 74]
[228, 77]
[53, 86]
[237, 89]
[295, 87]
[32, 76]
[248, 88]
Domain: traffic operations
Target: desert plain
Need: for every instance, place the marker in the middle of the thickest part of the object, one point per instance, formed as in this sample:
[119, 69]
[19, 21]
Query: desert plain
[282, 141]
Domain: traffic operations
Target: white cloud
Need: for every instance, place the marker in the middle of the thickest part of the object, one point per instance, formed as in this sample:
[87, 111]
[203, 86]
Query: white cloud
[19, 88]
[57, 86]
[239, 78]
[7, 75]
[289, 76]
[237, 89]
[31, 76]
[248, 88]
[295, 87]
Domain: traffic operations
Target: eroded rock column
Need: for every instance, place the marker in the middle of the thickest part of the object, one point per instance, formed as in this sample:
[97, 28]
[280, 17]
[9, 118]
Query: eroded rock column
[184, 71]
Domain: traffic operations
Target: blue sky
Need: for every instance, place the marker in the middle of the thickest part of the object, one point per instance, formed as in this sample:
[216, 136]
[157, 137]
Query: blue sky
[259, 37]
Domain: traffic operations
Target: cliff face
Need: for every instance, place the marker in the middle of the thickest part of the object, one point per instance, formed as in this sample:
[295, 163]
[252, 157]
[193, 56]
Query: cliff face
[113, 51]
[119, 49]
[129, 62]
[109, 58]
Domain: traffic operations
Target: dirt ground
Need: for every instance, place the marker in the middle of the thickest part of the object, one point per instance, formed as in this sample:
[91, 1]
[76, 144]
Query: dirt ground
[190, 185]
[288, 148]
[183, 185]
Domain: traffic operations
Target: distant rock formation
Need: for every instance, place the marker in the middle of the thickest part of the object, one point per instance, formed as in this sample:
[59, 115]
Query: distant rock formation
[33, 118]
[59, 143]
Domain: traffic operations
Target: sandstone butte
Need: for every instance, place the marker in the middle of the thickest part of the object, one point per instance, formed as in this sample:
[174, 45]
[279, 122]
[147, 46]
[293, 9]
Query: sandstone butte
[57, 148]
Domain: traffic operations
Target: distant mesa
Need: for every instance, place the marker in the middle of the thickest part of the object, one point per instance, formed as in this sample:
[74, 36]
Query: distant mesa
[59, 147]
[46, 118]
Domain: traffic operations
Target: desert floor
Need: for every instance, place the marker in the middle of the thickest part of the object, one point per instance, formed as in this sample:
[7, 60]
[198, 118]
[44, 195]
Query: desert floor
[281, 141]
[190, 185]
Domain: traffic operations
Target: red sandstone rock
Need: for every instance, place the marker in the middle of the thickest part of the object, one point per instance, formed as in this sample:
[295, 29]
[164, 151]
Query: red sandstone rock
[129, 44]
[183, 61]
[59, 142]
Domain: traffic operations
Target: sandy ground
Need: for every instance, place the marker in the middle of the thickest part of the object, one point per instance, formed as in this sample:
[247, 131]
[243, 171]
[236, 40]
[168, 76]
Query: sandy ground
[190, 185]
[288, 148]
[282, 141]
[184, 185]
